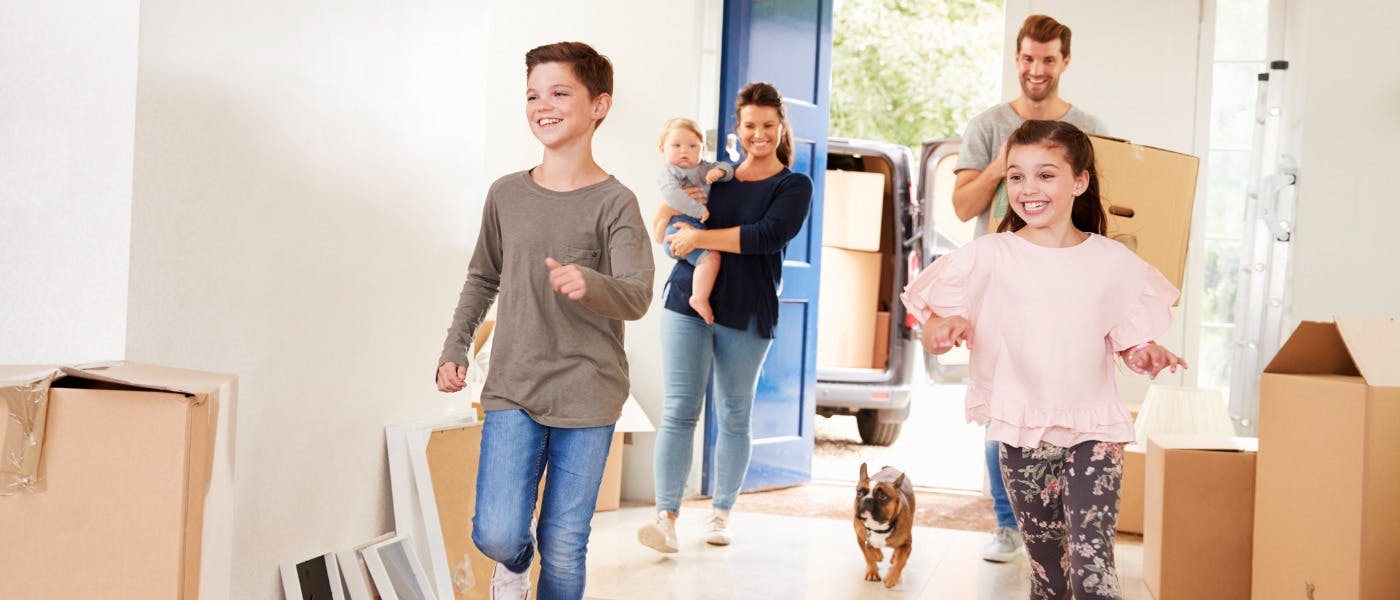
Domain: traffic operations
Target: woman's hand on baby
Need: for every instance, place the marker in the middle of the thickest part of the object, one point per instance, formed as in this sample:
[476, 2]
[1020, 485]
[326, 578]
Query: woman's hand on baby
[704, 214]
[1151, 359]
[714, 175]
[683, 240]
[451, 377]
[696, 194]
[942, 335]
[566, 279]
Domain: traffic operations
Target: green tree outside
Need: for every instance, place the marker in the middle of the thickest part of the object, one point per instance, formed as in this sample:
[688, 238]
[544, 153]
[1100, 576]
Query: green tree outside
[904, 71]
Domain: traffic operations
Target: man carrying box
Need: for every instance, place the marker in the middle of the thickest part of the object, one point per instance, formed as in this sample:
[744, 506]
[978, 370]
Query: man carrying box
[1042, 54]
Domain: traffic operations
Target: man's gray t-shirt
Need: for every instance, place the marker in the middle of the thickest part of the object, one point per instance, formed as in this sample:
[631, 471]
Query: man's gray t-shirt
[560, 360]
[984, 136]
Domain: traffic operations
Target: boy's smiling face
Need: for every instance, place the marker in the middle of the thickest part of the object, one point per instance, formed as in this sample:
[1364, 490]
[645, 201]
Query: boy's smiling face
[557, 105]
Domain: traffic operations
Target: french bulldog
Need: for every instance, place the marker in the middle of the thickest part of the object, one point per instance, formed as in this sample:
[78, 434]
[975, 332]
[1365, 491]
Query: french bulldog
[884, 518]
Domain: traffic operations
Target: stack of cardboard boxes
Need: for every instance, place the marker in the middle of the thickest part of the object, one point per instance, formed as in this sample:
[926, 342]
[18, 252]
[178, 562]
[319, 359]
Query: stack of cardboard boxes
[1312, 513]
[848, 316]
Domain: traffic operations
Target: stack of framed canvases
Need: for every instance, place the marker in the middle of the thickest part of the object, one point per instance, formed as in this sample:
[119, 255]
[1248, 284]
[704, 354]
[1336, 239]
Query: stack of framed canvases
[384, 568]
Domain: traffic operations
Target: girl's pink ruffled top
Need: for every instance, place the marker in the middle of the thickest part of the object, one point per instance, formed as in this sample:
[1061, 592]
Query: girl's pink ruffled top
[1046, 326]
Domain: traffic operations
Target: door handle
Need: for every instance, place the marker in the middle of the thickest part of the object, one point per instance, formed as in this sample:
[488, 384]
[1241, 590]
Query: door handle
[731, 147]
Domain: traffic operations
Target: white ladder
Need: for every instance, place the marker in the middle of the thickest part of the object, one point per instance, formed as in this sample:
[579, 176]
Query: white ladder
[1268, 236]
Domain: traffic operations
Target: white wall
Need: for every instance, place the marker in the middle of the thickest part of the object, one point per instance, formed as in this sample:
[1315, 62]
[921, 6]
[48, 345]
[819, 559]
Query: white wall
[67, 114]
[306, 194]
[308, 185]
[1344, 113]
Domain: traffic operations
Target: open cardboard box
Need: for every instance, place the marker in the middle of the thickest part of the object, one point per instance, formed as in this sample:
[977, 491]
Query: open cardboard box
[136, 497]
[1326, 515]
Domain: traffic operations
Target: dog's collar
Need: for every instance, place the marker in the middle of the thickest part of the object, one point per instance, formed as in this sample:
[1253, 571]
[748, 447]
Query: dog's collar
[881, 531]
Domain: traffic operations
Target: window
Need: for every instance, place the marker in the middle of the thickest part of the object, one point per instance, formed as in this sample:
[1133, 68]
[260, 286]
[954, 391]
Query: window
[1241, 34]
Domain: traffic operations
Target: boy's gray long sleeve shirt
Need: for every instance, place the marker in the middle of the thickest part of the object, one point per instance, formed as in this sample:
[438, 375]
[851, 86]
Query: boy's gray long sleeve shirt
[560, 360]
[674, 180]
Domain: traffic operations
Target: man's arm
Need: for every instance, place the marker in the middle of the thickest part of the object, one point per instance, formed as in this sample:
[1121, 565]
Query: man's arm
[973, 190]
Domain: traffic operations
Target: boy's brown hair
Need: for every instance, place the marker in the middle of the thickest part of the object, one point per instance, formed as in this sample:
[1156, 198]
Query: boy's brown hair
[1043, 29]
[594, 70]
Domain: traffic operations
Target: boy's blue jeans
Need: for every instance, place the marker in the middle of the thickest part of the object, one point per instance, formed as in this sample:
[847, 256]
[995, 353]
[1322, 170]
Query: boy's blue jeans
[689, 346]
[515, 451]
[1001, 503]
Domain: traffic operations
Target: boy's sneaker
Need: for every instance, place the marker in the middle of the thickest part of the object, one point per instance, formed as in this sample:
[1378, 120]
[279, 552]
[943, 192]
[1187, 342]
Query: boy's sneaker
[717, 529]
[508, 585]
[660, 535]
[1005, 542]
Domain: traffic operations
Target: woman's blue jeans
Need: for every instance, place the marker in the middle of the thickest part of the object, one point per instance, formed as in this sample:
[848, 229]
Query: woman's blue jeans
[689, 347]
[515, 452]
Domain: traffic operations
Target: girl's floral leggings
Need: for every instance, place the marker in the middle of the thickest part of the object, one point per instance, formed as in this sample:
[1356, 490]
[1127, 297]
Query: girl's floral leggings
[1066, 502]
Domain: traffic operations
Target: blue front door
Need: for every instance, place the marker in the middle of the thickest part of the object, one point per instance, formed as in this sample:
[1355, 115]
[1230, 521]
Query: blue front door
[786, 43]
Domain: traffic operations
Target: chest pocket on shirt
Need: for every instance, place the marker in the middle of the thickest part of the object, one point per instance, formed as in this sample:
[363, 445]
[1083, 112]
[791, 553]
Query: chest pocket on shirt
[583, 257]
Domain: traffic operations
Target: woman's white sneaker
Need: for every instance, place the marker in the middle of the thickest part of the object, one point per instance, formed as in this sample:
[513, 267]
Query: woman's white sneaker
[660, 535]
[717, 529]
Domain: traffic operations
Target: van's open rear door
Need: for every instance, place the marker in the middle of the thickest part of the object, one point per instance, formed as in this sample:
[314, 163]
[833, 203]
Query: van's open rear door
[939, 232]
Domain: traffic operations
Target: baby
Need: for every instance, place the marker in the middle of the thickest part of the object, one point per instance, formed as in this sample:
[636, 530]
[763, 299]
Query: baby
[681, 143]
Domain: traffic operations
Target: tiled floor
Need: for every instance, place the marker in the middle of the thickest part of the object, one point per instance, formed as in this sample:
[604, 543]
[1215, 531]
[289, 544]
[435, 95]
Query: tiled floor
[791, 557]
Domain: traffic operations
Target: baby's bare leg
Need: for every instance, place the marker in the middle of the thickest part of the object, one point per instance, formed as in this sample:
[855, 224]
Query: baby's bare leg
[702, 282]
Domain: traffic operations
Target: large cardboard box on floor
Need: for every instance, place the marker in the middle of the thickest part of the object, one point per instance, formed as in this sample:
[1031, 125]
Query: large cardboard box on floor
[1148, 194]
[1198, 500]
[853, 210]
[633, 420]
[1326, 514]
[1131, 488]
[846, 315]
[135, 497]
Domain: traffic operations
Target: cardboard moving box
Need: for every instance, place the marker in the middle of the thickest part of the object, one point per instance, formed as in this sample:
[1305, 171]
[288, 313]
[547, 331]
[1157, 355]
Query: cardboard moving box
[1197, 516]
[881, 357]
[1148, 194]
[846, 314]
[1327, 507]
[853, 210]
[1131, 489]
[129, 459]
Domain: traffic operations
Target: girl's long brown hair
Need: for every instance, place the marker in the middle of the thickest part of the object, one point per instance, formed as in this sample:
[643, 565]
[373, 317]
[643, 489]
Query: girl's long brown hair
[1087, 213]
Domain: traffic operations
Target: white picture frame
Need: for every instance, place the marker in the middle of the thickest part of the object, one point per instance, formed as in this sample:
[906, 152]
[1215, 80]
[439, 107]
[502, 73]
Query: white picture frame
[358, 584]
[396, 571]
[325, 565]
[411, 490]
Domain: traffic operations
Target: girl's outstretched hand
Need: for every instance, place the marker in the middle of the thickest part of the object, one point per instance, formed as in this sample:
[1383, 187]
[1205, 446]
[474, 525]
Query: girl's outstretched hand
[1151, 359]
[942, 334]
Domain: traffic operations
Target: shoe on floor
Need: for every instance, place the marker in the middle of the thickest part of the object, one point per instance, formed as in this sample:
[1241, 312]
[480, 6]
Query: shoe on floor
[660, 535]
[717, 529]
[1004, 545]
[507, 585]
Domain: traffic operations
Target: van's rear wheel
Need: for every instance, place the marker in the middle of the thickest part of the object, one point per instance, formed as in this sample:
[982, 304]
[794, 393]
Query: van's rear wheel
[873, 432]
